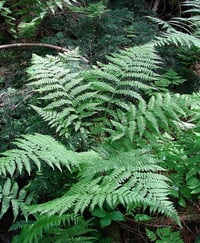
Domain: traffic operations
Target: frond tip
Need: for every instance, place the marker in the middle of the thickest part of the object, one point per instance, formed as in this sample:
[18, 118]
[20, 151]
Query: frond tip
[34, 150]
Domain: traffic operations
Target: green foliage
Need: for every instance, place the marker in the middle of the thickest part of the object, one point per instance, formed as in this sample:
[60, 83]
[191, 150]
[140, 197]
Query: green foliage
[77, 96]
[93, 10]
[163, 113]
[182, 159]
[58, 229]
[81, 101]
[189, 56]
[106, 218]
[169, 80]
[128, 73]
[97, 39]
[64, 88]
[12, 196]
[31, 151]
[127, 145]
[191, 24]
[142, 217]
[164, 235]
[23, 21]
[13, 103]
[170, 36]
[131, 180]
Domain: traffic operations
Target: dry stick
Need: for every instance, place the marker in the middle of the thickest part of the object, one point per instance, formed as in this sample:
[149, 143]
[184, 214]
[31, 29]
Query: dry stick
[155, 5]
[57, 48]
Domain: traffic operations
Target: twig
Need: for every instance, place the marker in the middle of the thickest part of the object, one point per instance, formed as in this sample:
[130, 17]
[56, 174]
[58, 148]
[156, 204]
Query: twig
[155, 5]
[18, 45]
[57, 48]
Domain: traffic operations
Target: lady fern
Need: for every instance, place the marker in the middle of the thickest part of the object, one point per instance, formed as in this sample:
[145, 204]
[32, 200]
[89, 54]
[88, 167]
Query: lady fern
[162, 113]
[127, 74]
[70, 98]
[188, 28]
[76, 101]
[13, 196]
[65, 228]
[130, 179]
[33, 151]
[110, 105]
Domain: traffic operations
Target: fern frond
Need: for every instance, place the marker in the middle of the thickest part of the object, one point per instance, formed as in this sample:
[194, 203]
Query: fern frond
[127, 73]
[130, 179]
[33, 150]
[65, 228]
[177, 38]
[105, 88]
[12, 196]
[162, 113]
[66, 93]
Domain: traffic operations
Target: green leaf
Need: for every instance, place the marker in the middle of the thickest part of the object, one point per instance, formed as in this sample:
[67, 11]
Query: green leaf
[196, 191]
[131, 130]
[193, 183]
[142, 217]
[141, 125]
[182, 202]
[105, 221]
[152, 236]
[117, 216]
[99, 212]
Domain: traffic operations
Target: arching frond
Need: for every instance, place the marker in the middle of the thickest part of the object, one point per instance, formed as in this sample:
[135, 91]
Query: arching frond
[162, 113]
[33, 150]
[76, 98]
[65, 228]
[177, 38]
[127, 74]
[130, 179]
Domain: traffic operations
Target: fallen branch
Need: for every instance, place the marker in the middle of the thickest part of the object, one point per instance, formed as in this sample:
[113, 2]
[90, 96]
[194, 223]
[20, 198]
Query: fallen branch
[19, 45]
[155, 5]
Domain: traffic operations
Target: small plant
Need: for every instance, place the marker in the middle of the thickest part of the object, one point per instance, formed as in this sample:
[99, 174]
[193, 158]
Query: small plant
[93, 10]
[164, 235]
[189, 56]
[21, 20]
[168, 80]
[106, 217]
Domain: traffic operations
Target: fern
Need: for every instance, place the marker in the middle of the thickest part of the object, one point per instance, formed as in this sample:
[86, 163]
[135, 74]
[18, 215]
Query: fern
[162, 113]
[33, 150]
[192, 23]
[76, 99]
[177, 38]
[127, 74]
[189, 27]
[67, 93]
[22, 20]
[56, 228]
[130, 179]
[12, 196]
[168, 80]
[164, 235]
